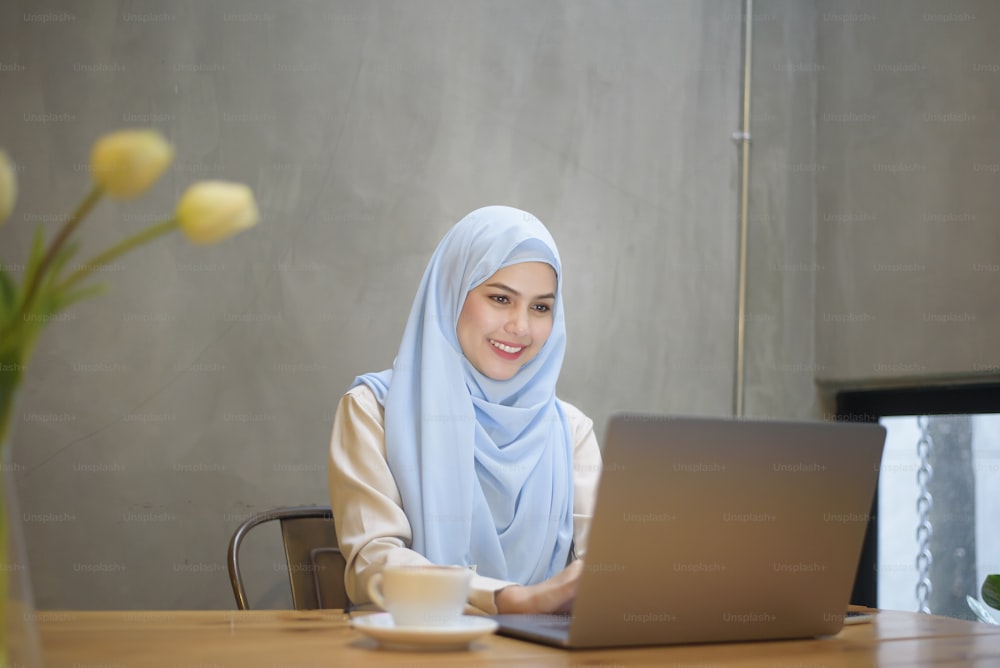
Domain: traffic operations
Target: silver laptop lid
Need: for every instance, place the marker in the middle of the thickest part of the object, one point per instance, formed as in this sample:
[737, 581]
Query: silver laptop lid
[710, 530]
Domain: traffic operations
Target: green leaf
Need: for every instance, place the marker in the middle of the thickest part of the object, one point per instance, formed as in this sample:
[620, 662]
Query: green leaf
[34, 257]
[9, 326]
[8, 296]
[991, 590]
[67, 299]
[60, 260]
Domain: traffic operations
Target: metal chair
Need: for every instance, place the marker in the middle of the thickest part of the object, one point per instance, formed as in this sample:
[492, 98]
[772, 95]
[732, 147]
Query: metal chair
[315, 563]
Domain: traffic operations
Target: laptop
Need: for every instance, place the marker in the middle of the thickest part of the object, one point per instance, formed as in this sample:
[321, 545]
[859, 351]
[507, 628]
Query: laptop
[719, 530]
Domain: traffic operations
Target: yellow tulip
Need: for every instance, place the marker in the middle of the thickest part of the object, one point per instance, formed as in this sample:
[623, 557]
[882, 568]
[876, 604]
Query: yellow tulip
[8, 187]
[210, 211]
[127, 162]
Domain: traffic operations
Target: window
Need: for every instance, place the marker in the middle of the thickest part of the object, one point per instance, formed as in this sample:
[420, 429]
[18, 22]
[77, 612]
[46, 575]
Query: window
[939, 503]
[932, 538]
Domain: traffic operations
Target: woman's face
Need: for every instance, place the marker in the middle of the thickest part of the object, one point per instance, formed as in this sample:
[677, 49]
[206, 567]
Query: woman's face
[507, 319]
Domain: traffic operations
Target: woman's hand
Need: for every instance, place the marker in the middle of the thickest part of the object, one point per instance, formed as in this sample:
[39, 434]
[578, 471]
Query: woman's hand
[554, 595]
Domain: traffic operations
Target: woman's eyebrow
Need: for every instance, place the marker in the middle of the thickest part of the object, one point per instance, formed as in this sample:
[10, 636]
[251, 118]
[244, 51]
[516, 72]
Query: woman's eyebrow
[507, 288]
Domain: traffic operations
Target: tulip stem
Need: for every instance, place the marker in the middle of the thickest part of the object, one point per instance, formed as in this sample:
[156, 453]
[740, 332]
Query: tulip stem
[101, 260]
[82, 209]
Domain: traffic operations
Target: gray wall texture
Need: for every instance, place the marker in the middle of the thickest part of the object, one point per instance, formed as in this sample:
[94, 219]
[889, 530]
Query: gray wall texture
[908, 168]
[201, 387]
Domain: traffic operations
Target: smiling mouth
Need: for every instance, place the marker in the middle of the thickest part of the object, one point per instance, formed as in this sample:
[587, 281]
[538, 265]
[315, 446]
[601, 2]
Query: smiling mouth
[505, 349]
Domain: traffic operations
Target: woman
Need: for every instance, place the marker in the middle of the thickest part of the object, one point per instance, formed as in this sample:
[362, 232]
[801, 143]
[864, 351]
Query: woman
[461, 453]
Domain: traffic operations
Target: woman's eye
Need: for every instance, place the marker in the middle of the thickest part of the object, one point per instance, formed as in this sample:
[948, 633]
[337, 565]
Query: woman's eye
[542, 308]
[500, 299]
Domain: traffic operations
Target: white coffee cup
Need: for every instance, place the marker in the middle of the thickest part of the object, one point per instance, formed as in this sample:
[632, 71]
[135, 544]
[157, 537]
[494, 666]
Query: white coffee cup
[421, 595]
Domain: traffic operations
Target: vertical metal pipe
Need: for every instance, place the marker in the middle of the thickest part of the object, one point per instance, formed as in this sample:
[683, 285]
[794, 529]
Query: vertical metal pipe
[743, 139]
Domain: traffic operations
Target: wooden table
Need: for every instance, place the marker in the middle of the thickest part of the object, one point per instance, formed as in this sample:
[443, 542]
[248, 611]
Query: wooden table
[215, 638]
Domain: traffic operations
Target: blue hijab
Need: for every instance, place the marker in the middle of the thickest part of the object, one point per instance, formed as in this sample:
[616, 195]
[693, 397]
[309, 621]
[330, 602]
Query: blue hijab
[483, 467]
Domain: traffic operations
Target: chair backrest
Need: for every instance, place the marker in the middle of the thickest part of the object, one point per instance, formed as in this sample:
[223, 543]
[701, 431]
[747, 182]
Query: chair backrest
[315, 564]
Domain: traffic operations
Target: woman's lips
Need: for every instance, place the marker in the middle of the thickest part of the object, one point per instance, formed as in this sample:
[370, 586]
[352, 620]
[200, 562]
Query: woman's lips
[506, 350]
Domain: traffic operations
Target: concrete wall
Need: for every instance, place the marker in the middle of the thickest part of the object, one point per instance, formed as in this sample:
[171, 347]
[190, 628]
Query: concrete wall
[908, 238]
[781, 248]
[874, 253]
[201, 387]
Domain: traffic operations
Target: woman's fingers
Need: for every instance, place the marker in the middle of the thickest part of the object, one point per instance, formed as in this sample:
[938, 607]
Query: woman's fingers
[556, 594]
[553, 595]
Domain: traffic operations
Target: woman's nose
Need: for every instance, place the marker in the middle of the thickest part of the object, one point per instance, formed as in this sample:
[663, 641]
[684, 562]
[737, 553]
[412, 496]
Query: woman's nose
[517, 323]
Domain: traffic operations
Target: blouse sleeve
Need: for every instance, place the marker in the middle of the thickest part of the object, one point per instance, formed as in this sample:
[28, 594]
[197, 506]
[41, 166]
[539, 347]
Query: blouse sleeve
[586, 474]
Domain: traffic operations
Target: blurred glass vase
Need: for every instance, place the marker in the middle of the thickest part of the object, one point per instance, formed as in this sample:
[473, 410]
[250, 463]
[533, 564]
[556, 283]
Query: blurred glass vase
[21, 644]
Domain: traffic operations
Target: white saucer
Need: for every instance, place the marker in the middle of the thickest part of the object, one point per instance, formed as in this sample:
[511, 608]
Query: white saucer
[381, 627]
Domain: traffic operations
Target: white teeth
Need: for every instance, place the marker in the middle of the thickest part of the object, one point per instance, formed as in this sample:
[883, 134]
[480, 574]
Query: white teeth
[506, 349]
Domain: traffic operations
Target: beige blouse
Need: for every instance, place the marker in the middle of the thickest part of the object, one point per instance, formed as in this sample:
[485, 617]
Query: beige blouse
[372, 528]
